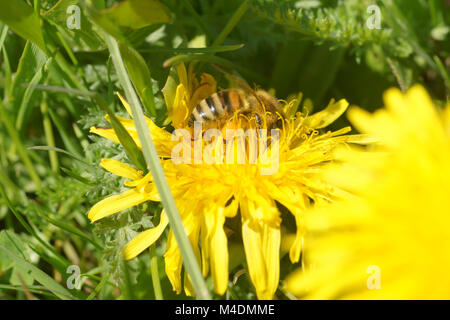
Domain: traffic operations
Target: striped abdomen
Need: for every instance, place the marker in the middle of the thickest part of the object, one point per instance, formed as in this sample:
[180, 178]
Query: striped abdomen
[217, 106]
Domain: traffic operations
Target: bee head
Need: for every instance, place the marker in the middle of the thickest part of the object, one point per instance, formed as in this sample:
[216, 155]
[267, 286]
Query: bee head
[272, 109]
[270, 102]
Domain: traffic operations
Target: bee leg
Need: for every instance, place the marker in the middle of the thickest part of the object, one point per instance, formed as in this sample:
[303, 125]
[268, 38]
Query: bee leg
[258, 120]
[279, 123]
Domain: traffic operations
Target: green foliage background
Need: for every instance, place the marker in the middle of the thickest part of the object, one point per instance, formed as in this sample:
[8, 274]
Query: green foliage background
[52, 79]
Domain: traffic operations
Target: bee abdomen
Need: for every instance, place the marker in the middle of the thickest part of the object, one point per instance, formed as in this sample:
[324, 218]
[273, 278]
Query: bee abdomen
[231, 99]
[210, 108]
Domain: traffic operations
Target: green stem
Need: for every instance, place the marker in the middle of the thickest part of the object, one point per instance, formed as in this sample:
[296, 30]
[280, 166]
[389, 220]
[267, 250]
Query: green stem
[68, 50]
[194, 50]
[128, 292]
[66, 68]
[49, 137]
[231, 23]
[235, 18]
[3, 36]
[443, 71]
[10, 186]
[98, 288]
[67, 137]
[152, 160]
[155, 273]
[20, 147]
[197, 18]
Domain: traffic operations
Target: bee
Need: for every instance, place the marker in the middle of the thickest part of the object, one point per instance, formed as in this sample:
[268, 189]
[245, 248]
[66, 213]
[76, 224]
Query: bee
[238, 108]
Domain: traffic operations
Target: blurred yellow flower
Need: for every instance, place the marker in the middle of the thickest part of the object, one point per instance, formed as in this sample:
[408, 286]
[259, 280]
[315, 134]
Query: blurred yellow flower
[392, 241]
[207, 194]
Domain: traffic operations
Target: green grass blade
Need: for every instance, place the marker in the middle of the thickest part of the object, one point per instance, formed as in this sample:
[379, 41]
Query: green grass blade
[48, 131]
[40, 276]
[155, 274]
[69, 142]
[443, 71]
[67, 227]
[152, 160]
[125, 139]
[231, 23]
[3, 36]
[33, 289]
[32, 60]
[50, 148]
[10, 186]
[23, 20]
[26, 106]
[77, 177]
[98, 288]
[128, 292]
[60, 89]
[197, 18]
[212, 49]
[30, 230]
[19, 145]
[7, 92]
[140, 76]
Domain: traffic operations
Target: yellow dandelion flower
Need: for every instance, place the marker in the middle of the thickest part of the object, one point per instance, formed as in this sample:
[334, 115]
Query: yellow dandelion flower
[392, 240]
[208, 195]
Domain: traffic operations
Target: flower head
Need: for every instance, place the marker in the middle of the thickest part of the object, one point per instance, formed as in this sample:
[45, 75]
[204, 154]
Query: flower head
[208, 195]
[392, 240]
[188, 93]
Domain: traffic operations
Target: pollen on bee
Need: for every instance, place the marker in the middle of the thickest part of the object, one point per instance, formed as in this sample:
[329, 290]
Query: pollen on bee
[230, 145]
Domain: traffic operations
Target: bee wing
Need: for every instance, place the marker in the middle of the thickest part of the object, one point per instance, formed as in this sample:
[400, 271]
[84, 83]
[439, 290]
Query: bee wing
[236, 81]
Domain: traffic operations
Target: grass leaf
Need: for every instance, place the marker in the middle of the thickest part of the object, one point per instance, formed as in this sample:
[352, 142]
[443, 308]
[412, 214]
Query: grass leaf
[131, 148]
[140, 76]
[23, 20]
[39, 276]
[137, 14]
